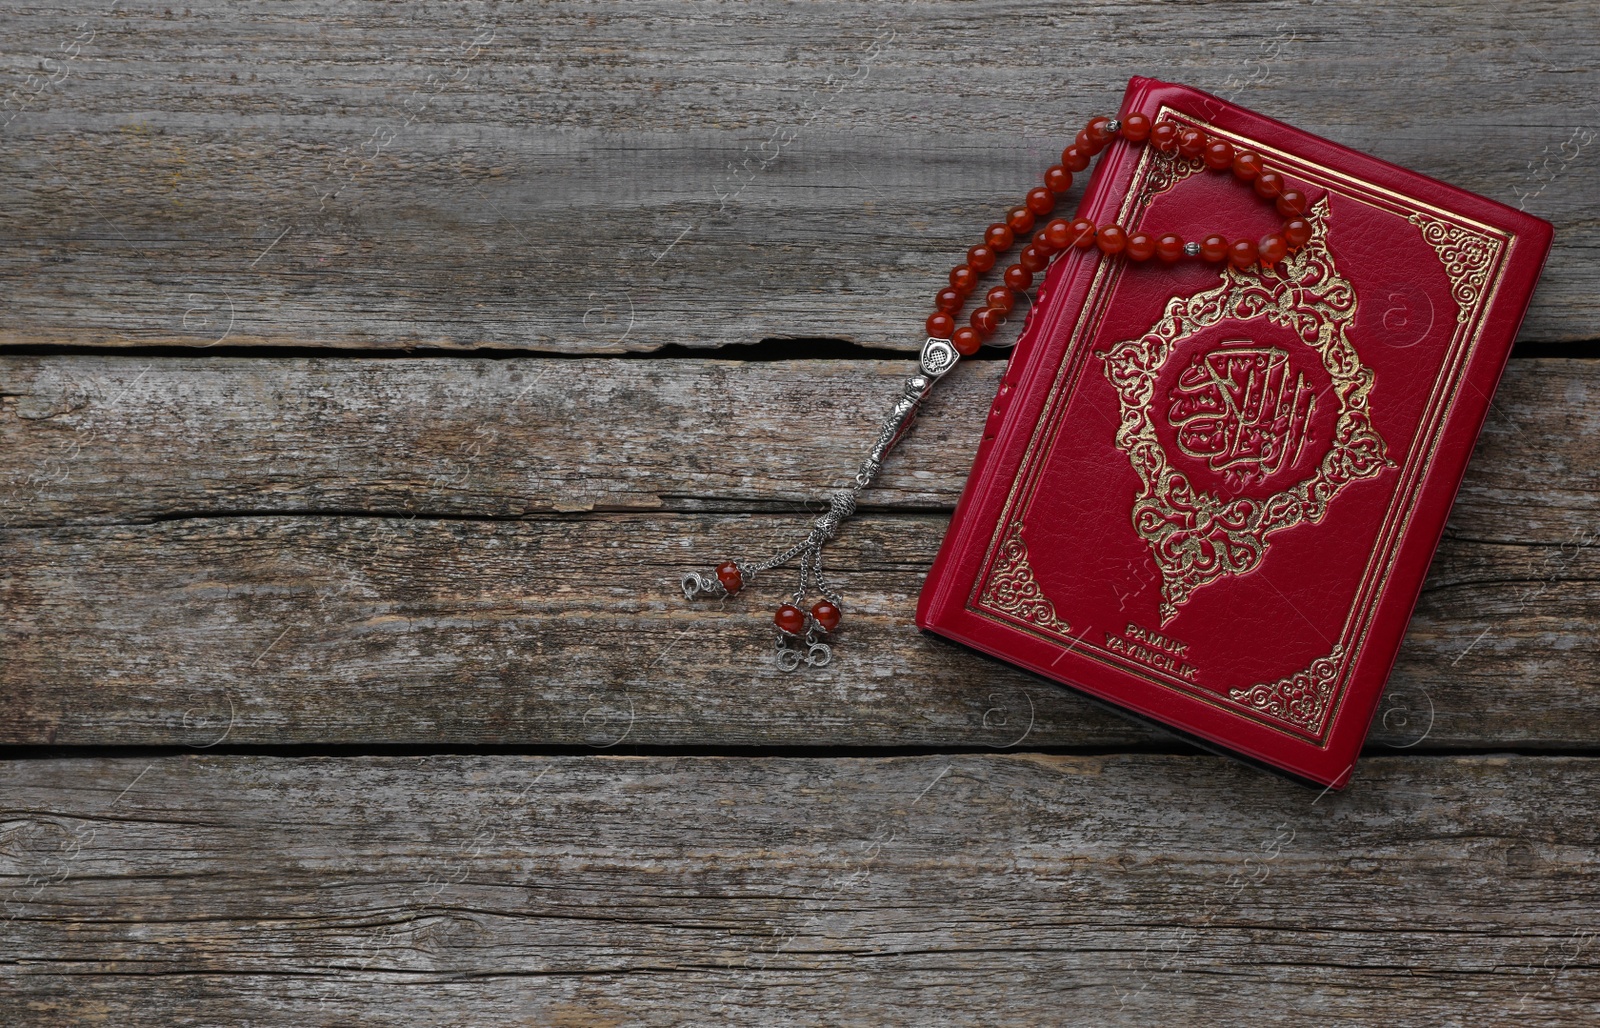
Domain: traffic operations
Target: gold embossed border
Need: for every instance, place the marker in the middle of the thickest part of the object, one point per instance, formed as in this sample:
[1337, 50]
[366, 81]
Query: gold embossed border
[1149, 180]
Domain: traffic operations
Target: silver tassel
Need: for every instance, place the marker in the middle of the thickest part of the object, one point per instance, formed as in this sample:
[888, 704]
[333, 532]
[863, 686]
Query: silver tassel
[811, 646]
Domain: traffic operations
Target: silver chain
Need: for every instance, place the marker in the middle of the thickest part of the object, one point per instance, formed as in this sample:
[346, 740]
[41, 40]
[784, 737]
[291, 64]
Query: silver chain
[808, 647]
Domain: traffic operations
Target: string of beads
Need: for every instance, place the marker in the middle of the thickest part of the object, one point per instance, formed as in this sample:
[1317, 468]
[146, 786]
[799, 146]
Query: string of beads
[1060, 234]
[1056, 236]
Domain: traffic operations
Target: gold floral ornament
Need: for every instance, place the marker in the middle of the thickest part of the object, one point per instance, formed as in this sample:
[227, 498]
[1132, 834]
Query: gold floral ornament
[1302, 698]
[1244, 410]
[1467, 257]
[1011, 588]
[1167, 169]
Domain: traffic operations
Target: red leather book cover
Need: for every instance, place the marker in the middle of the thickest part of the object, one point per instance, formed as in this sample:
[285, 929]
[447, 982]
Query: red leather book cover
[1210, 496]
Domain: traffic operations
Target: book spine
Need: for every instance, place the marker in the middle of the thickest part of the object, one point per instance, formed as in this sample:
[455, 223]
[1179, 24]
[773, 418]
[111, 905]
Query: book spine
[1042, 324]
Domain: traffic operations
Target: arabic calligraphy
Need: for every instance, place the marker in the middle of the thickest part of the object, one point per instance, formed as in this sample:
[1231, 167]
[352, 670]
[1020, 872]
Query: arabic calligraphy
[1199, 535]
[1242, 409]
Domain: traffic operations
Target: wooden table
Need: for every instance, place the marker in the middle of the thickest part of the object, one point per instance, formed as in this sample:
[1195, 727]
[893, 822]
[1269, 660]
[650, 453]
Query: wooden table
[372, 372]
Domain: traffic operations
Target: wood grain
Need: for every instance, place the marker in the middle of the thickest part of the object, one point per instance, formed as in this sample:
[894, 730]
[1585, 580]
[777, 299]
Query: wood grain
[230, 601]
[428, 554]
[571, 632]
[602, 179]
[954, 890]
[130, 439]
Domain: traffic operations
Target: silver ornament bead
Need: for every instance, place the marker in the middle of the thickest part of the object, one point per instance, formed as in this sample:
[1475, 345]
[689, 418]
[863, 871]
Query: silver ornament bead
[938, 357]
[1191, 249]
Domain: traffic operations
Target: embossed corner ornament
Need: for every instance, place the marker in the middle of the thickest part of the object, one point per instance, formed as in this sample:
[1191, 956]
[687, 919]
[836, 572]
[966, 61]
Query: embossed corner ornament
[1167, 169]
[1011, 588]
[1300, 699]
[1467, 257]
[1198, 536]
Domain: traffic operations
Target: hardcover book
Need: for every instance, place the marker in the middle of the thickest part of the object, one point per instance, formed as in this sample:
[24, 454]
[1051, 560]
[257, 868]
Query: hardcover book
[1210, 496]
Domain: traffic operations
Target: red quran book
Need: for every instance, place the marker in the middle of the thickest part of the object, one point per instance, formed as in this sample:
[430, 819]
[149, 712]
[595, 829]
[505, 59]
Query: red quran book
[1210, 496]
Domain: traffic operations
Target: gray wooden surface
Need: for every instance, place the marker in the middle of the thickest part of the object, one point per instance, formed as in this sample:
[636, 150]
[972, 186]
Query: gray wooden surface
[593, 177]
[365, 387]
[945, 889]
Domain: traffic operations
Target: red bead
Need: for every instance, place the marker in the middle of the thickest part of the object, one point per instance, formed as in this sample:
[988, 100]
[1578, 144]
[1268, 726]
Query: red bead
[986, 320]
[940, 324]
[980, 259]
[1269, 184]
[728, 574]
[1020, 220]
[949, 299]
[1191, 142]
[790, 618]
[1242, 252]
[1111, 239]
[1074, 159]
[1272, 249]
[1041, 242]
[1170, 246]
[1291, 202]
[1218, 154]
[1057, 179]
[966, 340]
[999, 237]
[1214, 248]
[963, 278]
[1086, 144]
[1040, 201]
[1099, 129]
[1058, 234]
[1295, 232]
[827, 615]
[1141, 246]
[1033, 259]
[1002, 299]
[1136, 129]
[1082, 233]
[1018, 277]
[1246, 165]
[1164, 137]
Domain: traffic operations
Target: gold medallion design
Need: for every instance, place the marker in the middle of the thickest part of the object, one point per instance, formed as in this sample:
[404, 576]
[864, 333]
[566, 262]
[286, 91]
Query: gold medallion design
[1245, 411]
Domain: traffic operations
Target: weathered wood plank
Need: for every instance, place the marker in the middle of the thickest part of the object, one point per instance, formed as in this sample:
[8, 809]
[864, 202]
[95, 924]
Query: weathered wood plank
[598, 179]
[120, 439]
[114, 439]
[949, 889]
[567, 631]
[571, 631]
